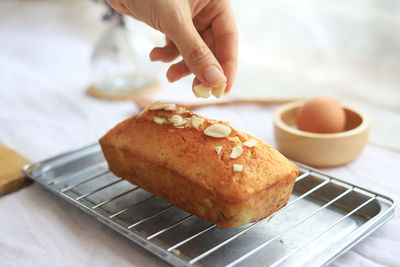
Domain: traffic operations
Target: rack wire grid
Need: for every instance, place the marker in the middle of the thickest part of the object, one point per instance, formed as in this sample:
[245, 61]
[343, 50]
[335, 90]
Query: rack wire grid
[324, 217]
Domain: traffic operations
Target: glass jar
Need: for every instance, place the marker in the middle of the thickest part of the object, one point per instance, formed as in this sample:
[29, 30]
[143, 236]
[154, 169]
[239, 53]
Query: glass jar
[118, 66]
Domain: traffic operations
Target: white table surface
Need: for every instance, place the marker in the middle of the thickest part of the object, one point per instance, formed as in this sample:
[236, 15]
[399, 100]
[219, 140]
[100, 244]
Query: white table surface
[44, 69]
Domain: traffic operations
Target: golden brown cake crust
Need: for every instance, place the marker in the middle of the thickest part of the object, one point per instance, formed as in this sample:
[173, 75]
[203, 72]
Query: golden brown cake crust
[182, 166]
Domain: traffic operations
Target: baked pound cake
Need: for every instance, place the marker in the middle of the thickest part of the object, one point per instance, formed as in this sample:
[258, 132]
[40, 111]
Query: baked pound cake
[202, 166]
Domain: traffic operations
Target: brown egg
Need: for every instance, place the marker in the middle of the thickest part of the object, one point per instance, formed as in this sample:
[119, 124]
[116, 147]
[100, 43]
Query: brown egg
[321, 115]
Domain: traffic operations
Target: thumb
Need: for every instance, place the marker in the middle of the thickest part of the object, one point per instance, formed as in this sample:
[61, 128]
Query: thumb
[197, 56]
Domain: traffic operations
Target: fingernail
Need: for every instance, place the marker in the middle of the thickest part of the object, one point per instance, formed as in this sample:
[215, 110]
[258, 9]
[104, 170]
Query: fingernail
[214, 76]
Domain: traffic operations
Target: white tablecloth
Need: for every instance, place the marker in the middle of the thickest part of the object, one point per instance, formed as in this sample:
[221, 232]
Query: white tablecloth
[44, 70]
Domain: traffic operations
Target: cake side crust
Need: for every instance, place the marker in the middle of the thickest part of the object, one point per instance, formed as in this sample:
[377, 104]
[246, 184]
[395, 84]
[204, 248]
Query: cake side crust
[200, 201]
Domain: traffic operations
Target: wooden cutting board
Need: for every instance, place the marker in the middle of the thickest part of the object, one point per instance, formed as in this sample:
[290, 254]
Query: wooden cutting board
[11, 175]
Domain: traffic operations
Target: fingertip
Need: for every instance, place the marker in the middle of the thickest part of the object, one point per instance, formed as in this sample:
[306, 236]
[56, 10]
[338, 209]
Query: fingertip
[164, 54]
[195, 83]
[177, 71]
[153, 54]
[170, 76]
[158, 54]
[228, 88]
[230, 67]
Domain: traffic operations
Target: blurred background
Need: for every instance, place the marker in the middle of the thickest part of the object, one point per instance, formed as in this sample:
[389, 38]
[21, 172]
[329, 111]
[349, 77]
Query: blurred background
[52, 51]
[349, 50]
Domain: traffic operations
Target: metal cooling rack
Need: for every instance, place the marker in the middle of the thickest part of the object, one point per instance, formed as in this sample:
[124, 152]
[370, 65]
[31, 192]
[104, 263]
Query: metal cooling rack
[324, 217]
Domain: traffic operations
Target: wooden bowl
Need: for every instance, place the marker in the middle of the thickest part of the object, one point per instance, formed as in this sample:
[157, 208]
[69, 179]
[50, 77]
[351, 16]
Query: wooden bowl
[320, 150]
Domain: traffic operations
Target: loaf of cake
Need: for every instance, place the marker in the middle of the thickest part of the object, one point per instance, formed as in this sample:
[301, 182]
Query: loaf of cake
[202, 166]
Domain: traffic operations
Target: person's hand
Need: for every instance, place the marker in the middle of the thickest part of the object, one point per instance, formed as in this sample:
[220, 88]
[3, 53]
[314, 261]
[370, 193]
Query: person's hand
[203, 32]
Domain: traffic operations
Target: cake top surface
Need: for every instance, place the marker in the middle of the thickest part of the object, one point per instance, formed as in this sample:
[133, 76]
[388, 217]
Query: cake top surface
[228, 162]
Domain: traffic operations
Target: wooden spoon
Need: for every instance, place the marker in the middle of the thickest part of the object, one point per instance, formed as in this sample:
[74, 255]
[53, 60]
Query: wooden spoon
[142, 102]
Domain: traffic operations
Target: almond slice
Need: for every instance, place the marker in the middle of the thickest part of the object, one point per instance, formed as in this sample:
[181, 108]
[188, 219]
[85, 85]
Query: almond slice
[236, 152]
[237, 167]
[147, 108]
[196, 121]
[202, 91]
[175, 119]
[181, 123]
[235, 139]
[218, 149]
[182, 110]
[167, 107]
[217, 131]
[159, 120]
[250, 142]
[219, 90]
